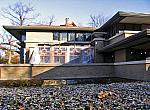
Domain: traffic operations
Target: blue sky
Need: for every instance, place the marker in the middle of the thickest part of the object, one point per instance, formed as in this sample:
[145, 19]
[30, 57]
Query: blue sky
[80, 10]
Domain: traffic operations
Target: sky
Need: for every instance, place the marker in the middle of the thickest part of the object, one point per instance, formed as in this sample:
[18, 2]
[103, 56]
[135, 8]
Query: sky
[79, 10]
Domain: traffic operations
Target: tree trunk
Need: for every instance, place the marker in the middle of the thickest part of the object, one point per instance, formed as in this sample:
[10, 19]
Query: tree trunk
[9, 57]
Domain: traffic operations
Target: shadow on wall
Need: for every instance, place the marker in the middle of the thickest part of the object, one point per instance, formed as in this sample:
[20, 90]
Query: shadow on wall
[71, 71]
[78, 67]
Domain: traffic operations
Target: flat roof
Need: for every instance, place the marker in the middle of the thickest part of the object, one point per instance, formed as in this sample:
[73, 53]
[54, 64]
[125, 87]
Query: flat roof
[126, 17]
[17, 30]
[134, 40]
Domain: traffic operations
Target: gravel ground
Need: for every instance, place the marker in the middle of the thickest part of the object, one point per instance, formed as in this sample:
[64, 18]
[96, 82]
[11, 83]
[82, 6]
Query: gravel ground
[114, 96]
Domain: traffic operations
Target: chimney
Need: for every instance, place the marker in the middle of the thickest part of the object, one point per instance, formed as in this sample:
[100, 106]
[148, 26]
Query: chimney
[66, 21]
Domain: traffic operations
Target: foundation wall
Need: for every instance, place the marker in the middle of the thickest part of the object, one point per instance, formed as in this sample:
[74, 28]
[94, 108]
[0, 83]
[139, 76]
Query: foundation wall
[138, 70]
[48, 71]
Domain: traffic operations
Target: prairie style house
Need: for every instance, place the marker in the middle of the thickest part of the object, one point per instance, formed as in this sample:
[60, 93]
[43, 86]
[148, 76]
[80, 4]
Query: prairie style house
[42, 44]
[120, 48]
[124, 37]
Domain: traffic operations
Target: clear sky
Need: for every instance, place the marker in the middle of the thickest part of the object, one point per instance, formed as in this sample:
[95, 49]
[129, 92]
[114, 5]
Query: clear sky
[80, 10]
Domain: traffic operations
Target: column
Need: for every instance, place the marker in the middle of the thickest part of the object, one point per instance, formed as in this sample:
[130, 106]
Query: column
[22, 50]
[68, 54]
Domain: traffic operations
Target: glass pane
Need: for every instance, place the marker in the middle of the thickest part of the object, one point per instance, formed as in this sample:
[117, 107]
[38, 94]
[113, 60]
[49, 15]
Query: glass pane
[71, 36]
[80, 37]
[59, 54]
[45, 54]
[45, 59]
[56, 59]
[56, 36]
[63, 36]
[62, 59]
[87, 36]
[74, 55]
[59, 59]
[87, 55]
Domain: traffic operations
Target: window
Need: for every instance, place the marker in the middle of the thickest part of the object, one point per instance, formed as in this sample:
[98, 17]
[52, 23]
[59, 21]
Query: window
[56, 36]
[87, 55]
[59, 59]
[59, 54]
[63, 36]
[87, 36]
[23, 38]
[44, 54]
[75, 55]
[71, 36]
[80, 37]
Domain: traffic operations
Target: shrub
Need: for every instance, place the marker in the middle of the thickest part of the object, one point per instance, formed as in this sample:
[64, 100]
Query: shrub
[20, 83]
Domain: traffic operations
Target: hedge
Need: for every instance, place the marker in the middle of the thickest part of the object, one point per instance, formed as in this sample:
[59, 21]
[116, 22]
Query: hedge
[20, 83]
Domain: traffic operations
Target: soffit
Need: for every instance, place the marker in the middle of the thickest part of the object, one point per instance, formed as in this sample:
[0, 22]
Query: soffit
[136, 20]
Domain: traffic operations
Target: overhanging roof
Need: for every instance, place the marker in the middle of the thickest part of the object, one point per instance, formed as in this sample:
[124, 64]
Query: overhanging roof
[134, 40]
[17, 30]
[127, 17]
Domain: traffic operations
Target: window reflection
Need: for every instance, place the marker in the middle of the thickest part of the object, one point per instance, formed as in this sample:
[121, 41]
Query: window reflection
[75, 55]
[88, 36]
[59, 54]
[63, 36]
[44, 54]
[79, 37]
[71, 36]
[65, 54]
[56, 36]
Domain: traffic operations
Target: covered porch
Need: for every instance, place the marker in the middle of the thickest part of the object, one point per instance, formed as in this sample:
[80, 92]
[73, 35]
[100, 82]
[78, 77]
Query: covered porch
[133, 48]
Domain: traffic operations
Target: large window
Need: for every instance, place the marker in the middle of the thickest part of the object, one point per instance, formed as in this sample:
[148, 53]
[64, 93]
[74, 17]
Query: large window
[63, 54]
[75, 55]
[44, 54]
[56, 36]
[87, 55]
[59, 54]
[71, 36]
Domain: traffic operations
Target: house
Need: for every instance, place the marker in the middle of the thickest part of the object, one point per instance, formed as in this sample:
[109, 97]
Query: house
[119, 48]
[42, 44]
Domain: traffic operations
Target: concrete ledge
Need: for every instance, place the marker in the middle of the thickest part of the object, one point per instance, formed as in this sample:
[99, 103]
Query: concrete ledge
[138, 70]
[133, 62]
[55, 65]
[15, 65]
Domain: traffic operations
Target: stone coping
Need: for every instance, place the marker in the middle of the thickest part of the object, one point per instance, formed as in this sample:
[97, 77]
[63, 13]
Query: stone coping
[76, 65]
[133, 62]
[54, 65]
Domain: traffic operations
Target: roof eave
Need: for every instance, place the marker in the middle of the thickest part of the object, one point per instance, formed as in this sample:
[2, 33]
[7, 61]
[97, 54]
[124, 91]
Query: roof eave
[122, 44]
[17, 30]
[118, 17]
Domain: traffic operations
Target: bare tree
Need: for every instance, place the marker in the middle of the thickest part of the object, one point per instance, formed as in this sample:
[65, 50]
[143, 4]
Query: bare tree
[51, 19]
[97, 20]
[19, 13]
[9, 45]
